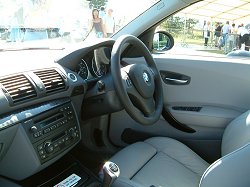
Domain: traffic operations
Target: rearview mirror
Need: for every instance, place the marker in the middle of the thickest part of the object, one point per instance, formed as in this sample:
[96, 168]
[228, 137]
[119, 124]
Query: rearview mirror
[163, 41]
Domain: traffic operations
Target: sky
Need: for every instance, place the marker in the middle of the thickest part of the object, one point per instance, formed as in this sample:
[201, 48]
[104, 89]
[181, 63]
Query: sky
[130, 8]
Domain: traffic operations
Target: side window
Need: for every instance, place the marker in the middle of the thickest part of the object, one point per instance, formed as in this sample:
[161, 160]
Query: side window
[205, 29]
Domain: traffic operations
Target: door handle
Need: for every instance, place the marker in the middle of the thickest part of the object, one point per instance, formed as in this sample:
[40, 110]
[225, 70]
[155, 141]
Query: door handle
[176, 81]
[174, 78]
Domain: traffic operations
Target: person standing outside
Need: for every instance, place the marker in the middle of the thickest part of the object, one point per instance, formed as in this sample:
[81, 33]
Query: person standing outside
[109, 23]
[16, 33]
[240, 27]
[217, 33]
[102, 12]
[97, 24]
[234, 29]
[244, 36]
[36, 21]
[225, 30]
[206, 32]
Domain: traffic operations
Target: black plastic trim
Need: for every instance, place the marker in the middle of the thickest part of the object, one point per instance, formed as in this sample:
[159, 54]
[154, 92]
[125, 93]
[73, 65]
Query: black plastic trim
[61, 169]
[130, 136]
[187, 108]
[174, 123]
[11, 119]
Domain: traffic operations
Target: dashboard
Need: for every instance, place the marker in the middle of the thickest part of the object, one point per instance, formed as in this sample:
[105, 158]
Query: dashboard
[43, 103]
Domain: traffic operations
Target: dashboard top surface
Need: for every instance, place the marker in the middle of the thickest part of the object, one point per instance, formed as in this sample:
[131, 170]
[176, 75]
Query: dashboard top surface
[22, 60]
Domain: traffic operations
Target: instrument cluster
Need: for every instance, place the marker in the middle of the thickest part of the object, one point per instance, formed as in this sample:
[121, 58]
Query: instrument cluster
[94, 65]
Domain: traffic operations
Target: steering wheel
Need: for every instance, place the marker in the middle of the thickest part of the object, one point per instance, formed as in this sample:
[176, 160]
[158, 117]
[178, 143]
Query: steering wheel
[138, 86]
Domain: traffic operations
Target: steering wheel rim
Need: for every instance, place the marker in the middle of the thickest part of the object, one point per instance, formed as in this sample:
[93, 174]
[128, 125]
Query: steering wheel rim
[146, 105]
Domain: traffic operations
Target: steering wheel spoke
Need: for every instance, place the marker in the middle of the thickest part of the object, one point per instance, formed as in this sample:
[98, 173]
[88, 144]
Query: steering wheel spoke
[127, 82]
[147, 107]
[152, 72]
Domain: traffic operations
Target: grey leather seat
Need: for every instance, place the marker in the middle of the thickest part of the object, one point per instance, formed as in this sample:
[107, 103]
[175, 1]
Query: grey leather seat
[165, 162]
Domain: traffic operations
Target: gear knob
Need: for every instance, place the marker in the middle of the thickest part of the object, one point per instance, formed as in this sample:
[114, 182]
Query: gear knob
[110, 171]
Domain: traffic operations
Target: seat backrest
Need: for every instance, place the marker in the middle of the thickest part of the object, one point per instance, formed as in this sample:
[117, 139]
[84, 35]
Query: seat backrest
[233, 168]
[229, 171]
[236, 134]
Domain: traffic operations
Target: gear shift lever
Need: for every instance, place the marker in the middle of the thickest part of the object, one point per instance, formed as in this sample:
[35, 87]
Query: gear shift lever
[111, 171]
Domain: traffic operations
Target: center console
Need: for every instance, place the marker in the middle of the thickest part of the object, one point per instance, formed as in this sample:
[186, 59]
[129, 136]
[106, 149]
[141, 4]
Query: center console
[42, 134]
[53, 132]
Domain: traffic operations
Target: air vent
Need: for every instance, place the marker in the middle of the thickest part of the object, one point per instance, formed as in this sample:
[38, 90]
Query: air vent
[52, 80]
[18, 87]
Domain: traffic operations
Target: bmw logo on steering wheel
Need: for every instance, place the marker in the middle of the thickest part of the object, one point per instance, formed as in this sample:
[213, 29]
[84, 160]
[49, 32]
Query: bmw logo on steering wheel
[146, 78]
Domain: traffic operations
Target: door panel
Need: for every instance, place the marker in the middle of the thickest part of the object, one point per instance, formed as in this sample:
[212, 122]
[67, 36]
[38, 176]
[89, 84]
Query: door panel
[121, 121]
[207, 116]
[218, 82]
[218, 91]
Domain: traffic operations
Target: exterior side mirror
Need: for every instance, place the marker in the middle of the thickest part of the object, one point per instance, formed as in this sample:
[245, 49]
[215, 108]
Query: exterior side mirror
[163, 41]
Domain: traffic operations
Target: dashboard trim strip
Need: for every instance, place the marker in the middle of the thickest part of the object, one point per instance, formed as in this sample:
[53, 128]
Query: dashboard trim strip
[22, 115]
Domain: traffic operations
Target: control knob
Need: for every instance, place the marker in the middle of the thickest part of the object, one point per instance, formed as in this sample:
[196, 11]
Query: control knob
[72, 132]
[49, 148]
[33, 129]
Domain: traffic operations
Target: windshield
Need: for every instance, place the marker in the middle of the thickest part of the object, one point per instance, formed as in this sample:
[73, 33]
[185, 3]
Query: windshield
[63, 21]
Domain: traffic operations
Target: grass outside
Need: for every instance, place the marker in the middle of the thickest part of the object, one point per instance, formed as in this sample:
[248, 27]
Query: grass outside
[199, 42]
[194, 38]
[190, 41]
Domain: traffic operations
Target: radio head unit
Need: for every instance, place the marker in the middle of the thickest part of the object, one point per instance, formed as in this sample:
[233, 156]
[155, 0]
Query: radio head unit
[53, 131]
